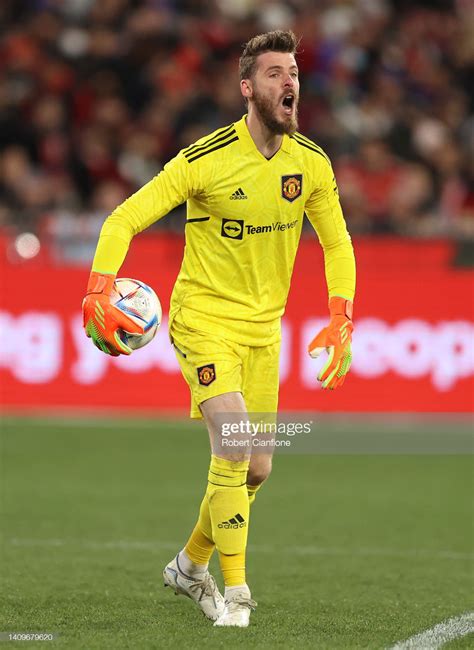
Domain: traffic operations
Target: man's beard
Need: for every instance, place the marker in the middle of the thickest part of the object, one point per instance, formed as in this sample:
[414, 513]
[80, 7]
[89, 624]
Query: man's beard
[266, 111]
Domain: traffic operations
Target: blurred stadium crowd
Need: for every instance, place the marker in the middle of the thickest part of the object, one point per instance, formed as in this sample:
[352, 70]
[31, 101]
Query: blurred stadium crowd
[95, 96]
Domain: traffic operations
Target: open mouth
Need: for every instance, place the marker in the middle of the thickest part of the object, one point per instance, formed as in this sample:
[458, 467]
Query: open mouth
[288, 102]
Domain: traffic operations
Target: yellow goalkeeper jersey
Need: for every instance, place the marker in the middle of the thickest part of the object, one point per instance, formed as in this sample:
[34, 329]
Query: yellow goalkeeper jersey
[244, 219]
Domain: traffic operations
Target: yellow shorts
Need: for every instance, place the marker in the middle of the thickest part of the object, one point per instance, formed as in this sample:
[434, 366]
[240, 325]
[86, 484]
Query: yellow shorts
[212, 366]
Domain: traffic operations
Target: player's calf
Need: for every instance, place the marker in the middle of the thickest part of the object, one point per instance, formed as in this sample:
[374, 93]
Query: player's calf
[260, 468]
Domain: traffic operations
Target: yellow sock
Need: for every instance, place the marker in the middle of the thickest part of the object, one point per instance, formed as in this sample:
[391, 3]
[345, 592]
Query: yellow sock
[199, 548]
[233, 569]
[204, 520]
[233, 566]
[252, 492]
[229, 514]
[228, 504]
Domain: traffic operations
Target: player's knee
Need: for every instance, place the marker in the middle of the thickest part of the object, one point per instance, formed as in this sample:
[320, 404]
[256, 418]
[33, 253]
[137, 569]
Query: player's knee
[259, 471]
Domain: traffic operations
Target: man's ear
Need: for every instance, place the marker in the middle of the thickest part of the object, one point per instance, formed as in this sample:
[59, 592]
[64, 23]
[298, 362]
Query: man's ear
[246, 88]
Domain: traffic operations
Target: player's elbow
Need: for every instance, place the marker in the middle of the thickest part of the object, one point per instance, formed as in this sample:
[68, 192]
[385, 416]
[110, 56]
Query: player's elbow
[120, 223]
[342, 243]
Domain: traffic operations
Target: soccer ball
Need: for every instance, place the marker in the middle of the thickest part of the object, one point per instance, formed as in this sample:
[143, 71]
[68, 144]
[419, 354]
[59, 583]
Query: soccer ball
[138, 301]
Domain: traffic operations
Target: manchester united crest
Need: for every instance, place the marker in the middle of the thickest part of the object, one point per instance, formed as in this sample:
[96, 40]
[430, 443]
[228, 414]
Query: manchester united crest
[291, 187]
[206, 374]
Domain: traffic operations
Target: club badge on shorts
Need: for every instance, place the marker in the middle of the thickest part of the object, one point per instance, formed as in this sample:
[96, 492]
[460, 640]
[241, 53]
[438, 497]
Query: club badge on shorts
[206, 374]
[291, 186]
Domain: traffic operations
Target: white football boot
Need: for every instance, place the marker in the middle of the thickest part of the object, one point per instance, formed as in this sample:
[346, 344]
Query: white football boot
[203, 590]
[238, 606]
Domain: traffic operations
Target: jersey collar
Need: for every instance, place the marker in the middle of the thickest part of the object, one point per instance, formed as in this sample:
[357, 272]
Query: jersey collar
[247, 142]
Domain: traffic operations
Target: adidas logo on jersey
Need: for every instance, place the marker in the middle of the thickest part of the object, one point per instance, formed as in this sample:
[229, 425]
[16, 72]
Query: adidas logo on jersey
[237, 521]
[238, 194]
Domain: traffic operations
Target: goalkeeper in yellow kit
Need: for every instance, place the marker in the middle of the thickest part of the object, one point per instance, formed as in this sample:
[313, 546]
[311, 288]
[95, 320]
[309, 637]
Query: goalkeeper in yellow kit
[247, 187]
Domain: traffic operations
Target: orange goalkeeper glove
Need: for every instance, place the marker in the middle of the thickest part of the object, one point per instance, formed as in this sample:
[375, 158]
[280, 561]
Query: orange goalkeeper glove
[102, 320]
[336, 340]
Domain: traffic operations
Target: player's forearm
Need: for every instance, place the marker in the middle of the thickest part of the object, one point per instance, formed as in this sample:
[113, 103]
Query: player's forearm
[148, 205]
[126, 220]
[113, 244]
[109, 255]
[339, 262]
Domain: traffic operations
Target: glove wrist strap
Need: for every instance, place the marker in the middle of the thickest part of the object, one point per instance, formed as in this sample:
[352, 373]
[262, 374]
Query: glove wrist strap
[100, 283]
[339, 306]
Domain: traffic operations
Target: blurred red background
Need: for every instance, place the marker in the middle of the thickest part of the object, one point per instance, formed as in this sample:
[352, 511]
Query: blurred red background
[413, 342]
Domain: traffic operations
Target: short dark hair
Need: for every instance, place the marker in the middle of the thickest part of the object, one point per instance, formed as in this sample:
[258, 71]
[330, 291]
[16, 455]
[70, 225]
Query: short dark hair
[276, 41]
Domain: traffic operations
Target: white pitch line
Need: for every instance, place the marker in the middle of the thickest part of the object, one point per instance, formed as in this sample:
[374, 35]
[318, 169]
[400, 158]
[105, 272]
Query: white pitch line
[118, 544]
[437, 636]
[153, 546]
[382, 552]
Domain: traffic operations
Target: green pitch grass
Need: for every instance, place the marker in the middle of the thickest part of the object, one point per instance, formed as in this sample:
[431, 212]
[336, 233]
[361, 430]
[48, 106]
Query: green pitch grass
[345, 551]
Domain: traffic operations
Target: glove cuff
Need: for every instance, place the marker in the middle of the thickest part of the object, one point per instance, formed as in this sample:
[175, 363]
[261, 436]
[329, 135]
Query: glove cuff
[100, 283]
[339, 306]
